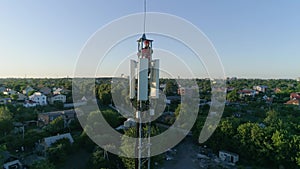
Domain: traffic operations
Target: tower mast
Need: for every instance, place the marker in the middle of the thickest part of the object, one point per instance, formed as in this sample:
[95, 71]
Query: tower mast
[147, 77]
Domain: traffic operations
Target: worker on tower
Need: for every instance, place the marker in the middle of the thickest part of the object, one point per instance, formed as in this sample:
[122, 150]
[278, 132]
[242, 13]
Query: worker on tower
[145, 48]
[147, 51]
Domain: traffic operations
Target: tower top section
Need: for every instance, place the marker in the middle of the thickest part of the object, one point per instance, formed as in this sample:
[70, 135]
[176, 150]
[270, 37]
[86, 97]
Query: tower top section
[144, 47]
[143, 38]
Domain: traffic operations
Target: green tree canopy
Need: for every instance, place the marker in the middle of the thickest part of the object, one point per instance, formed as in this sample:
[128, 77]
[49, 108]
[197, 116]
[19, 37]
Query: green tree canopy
[6, 119]
[44, 164]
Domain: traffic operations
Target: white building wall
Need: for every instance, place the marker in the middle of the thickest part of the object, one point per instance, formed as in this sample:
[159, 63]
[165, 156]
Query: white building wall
[60, 97]
[39, 98]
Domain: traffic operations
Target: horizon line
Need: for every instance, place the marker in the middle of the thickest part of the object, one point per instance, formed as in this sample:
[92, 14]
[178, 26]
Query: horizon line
[227, 78]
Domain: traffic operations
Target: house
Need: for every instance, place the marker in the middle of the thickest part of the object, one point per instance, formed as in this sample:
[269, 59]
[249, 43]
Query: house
[29, 103]
[277, 90]
[247, 92]
[27, 90]
[294, 99]
[260, 88]
[293, 102]
[21, 97]
[45, 90]
[39, 98]
[57, 98]
[9, 161]
[48, 141]
[295, 95]
[228, 156]
[57, 91]
[9, 92]
[46, 118]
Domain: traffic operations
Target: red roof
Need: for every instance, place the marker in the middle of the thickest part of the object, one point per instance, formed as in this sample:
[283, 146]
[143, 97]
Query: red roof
[294, 96]
[294, 102]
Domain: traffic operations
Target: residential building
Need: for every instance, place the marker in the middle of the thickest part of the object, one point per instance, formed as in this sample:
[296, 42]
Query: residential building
[260, 88]
[45, 90]
[247, 92]
[48, 117]
[48, 141]
[57, 98]
[57, 91]
[277, 90]
[21, 97]
[27, 90]
[293, 102]
[294, 99]
[9, 92]
[295, 95]
[9, 161]
[29, 103]
[39, 98]
[228, 156]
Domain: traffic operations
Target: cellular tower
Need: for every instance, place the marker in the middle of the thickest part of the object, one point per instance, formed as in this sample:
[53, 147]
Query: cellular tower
[144, 89]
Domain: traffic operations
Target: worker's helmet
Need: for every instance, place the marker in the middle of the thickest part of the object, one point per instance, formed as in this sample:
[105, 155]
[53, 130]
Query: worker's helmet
[146, 42]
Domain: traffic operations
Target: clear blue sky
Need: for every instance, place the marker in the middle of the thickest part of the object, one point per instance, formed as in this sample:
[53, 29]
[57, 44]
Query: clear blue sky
[254, 39]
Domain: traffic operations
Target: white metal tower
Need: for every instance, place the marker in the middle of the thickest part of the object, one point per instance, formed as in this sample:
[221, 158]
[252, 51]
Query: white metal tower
[144, 86]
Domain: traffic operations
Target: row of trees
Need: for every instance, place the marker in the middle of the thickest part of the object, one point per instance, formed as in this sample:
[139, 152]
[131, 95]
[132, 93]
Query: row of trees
[20, 84]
